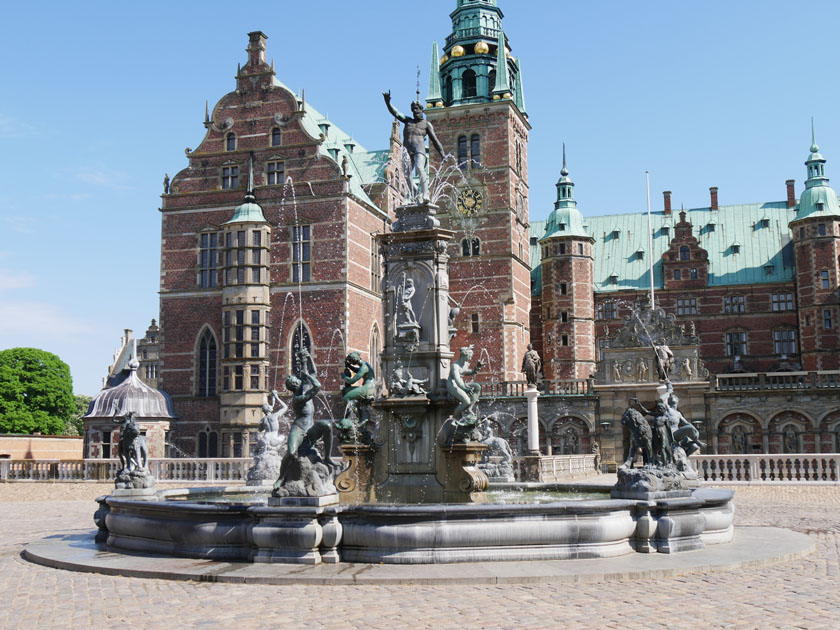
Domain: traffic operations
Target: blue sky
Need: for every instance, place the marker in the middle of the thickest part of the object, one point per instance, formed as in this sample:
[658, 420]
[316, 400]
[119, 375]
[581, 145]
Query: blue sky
[101, 98]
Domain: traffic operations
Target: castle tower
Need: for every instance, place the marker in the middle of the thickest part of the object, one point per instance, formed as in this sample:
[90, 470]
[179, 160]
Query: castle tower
[568, 331]
[246, 313]
[816, 238]
[477, 106]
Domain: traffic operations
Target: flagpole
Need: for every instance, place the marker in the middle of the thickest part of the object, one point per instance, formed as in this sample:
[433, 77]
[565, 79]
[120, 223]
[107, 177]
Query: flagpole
[650, 238]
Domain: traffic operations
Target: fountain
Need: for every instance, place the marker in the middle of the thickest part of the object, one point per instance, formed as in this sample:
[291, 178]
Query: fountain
[414, 487]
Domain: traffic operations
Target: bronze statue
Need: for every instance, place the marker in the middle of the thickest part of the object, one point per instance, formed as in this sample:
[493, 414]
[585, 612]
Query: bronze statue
[131, 448]
[358, 396]
[414, 141]
[466, 394]
[531, 365]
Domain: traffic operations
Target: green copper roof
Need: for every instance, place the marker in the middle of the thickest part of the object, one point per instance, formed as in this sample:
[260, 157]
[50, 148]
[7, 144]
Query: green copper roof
[248, 212]
[766, 254]
[519, 93]
[502, 81]
[364, 167]
[566, 219]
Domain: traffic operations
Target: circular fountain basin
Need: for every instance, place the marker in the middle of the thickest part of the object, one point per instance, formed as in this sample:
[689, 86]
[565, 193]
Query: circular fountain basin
[236, 524]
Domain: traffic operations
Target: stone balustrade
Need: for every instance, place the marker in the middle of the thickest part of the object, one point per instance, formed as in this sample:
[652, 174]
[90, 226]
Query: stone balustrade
[766, 469]
[557, 387]
[776, 381]
[192, 470]
[553, 468]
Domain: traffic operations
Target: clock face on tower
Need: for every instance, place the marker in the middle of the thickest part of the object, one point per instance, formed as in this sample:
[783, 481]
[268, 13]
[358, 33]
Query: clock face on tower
[469, 202]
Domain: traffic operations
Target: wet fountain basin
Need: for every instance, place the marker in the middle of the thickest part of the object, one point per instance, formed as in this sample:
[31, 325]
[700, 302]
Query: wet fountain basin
[240, 528]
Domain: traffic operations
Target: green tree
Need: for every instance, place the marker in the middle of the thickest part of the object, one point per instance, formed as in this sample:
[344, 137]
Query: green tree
[76, 426]
[36, 392]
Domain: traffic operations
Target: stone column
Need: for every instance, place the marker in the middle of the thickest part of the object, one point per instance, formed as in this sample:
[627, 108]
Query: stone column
[533, 421]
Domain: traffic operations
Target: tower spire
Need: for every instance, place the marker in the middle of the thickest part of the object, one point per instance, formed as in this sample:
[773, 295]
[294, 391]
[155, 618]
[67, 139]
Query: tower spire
[565, 187]
[434, 96]
[502, 86]
[249, 193]
[814, 147]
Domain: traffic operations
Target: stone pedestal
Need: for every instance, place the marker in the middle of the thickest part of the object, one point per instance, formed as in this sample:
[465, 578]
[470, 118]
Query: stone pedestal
[463, 481]
[295, 535]
[355, 483]
[533, 421]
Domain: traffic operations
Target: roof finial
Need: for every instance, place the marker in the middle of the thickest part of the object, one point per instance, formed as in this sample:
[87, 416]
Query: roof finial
[564, 171]
[249, 194]
[206, 112]
[133, 363]
[814, 147]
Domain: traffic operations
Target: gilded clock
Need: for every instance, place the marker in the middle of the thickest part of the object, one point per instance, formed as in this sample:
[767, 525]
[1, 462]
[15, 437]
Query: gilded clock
[469, 202]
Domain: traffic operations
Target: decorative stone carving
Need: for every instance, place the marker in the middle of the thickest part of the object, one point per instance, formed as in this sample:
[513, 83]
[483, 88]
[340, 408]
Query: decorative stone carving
[531, 365]
[271, 446]
[463, 422]
[404, 384]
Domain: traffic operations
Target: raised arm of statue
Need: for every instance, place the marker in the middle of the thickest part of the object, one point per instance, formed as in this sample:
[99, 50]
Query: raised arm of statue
[394, 112]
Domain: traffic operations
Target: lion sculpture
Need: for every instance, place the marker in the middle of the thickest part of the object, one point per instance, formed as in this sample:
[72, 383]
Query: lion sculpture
[641, 436]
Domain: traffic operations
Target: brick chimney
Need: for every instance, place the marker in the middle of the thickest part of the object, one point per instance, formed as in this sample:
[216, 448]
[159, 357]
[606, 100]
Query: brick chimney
[713, 197]
[256, 48]
[666, 197]
[791, 193]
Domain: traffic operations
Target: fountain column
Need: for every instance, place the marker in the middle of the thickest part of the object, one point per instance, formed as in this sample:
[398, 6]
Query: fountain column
[531, 466]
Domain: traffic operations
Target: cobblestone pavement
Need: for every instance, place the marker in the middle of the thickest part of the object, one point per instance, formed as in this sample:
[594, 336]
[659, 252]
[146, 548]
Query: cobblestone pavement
[799, 594]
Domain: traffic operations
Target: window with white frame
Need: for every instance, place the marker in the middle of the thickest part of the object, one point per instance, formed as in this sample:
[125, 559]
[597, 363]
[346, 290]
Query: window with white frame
[301, 252]
[686, 306]
[784, 341]
[736, 343]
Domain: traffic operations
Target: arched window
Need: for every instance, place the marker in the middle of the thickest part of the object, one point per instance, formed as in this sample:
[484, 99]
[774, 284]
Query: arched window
[208, 443]
[470, 247]
[491, 82]
[207, 365]
[685, 253]
[462, 152]
[447, 89]
[475, 150]
[468, 84]
[230, 142]
[300, 339]
[275, 137]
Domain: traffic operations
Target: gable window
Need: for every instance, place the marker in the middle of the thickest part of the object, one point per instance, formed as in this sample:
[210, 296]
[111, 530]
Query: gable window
[207, 365]
[470, 247]
[693, 273]
[733, 304]
[782, 301]
[784, 341]
[275, 137]
[474, 323]
[230, 177]
[475, 150]
[468, 84]
[230, 142]
[736, 344]
[686, 306]
[824, 279]
[677, 274]
[275, 173]
[685, 253]
[301, 252]
[208, 260]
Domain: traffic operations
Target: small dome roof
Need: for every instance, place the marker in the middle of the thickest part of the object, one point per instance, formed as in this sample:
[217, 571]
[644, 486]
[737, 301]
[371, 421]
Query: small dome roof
[566, 221]
[818, 201]
[131, 395]
[248, 212]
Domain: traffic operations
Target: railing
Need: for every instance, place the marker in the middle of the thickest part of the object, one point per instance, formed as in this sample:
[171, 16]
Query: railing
[513, 389]
[755, 469]
[164, 469]
[476, 31]
[776, 381]
[558, 467]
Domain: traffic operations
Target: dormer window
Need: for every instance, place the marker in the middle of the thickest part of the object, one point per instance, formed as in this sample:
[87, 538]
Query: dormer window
[616, 233]
[736, 247]
[350, 146]
[613, 279]
[640, 254]
[666, 229]
[710, 227]
[820, 206]
[324, 127]
[334, 153]
[562, 227]
[230, 142]
[765, 222]
[534, 240]
[769, 269]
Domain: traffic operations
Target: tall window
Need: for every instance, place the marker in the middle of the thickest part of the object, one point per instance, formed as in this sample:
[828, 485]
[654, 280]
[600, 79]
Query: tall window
[462, 152]
[686, 306]
[375, 266]
[827, 319]
[824, 279]
[782, 301]
[474, 325]
[275, 172]
[208, 443]
[491, 82]
[736, 344]
[275, 137]
[230, 142]
[563, 288]
[230, 177]
[208, 260]
[300, 339]
[733, 304]
[470, 247]
[207, 365]
[685, 253]
[784, 341]
[518, 156]
[468, 84]
[301, 253]
[475, 150]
